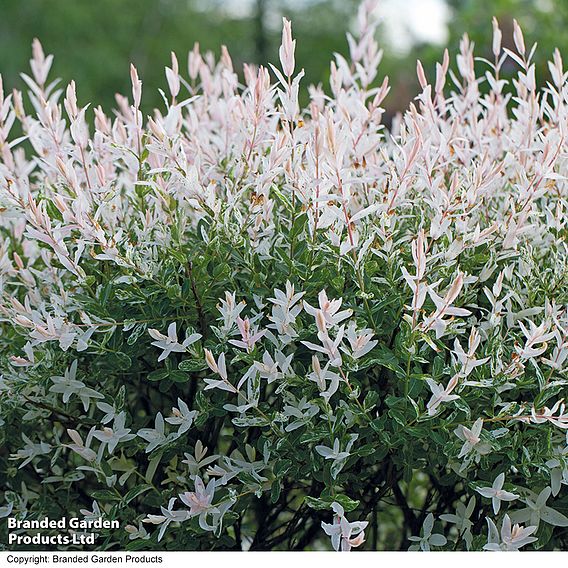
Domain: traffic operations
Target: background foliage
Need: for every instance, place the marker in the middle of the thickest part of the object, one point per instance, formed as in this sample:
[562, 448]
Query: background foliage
[94, 42]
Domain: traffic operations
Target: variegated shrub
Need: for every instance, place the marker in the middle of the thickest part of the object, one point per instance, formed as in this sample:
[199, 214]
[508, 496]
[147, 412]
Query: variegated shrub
[239, 324]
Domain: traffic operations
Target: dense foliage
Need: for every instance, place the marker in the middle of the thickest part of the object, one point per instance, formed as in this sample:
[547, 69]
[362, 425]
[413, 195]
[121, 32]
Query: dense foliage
[236, 324]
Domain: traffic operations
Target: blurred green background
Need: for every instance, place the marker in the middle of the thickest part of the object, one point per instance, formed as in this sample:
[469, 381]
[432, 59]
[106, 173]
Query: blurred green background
[94, 40]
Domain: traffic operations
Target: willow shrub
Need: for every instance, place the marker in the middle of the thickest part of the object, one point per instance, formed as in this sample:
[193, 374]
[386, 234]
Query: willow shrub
[238, 324]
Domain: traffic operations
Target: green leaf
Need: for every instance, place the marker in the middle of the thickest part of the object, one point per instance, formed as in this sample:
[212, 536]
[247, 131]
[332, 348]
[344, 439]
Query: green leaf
[159, 375]
[192, 365]
[135, 492]
[544, 534]
[137, 332]
[179, 255]
[318, 504]
[336, 468]
[122, 360]
[178, 376]
[370, 400]
[105, 496]
[546, 394]
[152, 467]
[250, 421]
[324, 502]
[347, 503]
[275, 491]
[281, 467]
[168, 374]
[382, 356]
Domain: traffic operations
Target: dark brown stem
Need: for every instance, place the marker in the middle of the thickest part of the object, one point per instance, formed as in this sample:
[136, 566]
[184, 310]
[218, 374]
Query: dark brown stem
[198, 304]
